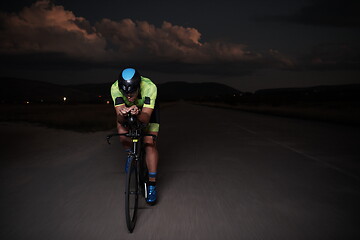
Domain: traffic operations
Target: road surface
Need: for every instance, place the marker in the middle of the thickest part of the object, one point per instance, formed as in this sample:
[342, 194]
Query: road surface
[222, 175]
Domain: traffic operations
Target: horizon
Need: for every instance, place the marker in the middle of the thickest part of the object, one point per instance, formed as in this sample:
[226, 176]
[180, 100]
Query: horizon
[174, 82]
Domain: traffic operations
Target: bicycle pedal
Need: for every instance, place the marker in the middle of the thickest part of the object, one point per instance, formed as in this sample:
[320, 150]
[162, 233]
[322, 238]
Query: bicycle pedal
[145, 187]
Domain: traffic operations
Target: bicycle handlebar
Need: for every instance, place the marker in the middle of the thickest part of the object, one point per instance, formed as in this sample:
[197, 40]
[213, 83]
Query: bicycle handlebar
[128, 134]
[135, 129]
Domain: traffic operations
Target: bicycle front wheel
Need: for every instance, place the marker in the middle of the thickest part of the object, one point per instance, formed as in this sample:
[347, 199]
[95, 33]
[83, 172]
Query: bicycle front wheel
[131, 194]
[143, 173]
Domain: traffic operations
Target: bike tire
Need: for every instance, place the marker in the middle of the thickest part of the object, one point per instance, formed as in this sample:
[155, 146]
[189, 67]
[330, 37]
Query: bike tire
[131, 194]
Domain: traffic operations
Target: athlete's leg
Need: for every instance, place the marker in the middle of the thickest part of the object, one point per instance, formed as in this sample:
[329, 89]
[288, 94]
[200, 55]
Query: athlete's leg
[152, 155]
[125, 141]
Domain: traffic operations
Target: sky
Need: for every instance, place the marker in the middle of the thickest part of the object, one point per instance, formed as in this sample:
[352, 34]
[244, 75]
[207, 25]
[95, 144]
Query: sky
[248, 45]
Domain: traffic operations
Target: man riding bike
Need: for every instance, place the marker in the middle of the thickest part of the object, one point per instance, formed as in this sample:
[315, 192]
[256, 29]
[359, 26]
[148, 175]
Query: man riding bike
[135, 94]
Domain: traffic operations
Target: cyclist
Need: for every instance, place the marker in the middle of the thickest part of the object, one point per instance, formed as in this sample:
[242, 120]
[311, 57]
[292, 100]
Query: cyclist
[135, 94]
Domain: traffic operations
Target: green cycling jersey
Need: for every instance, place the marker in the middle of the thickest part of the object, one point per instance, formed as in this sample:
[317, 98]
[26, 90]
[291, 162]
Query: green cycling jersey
[146, 97]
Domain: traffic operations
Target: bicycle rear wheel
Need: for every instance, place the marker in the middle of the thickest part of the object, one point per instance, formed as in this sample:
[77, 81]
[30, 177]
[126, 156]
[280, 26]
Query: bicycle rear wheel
[131, 194]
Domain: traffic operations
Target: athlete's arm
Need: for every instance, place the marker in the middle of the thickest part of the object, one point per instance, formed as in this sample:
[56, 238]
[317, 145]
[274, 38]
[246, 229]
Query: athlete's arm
[145, 115]
[121, 112]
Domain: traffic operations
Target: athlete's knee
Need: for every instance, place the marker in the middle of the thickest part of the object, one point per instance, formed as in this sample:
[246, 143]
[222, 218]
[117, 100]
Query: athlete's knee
[124, 139]
[150, 144]
[121, 129]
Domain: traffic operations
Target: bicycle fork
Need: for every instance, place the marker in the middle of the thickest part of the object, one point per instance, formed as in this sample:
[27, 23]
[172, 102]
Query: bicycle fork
[139, 158]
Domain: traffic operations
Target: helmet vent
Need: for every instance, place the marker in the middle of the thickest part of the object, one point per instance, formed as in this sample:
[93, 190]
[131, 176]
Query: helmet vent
[128, 74]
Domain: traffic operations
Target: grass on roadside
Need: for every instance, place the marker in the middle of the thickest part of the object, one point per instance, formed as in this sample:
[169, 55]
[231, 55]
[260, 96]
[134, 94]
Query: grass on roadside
[81, 118]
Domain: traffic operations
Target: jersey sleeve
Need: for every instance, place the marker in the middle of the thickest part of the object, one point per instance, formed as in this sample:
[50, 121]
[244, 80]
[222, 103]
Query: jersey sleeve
[150, 97]
[116, 95]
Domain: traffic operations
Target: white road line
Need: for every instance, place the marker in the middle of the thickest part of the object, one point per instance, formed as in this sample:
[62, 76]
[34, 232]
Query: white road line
[302, 153]
[248, 130]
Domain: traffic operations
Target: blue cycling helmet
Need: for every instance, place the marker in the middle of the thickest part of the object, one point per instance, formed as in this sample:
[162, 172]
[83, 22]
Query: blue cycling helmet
[129, 80]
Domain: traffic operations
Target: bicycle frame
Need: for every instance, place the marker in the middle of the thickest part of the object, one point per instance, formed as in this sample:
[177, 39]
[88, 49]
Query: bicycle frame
[136, 134]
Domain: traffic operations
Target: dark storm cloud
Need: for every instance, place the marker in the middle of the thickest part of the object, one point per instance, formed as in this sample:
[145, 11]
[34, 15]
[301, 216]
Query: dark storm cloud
[49, 30]
[337, 13]
[44, 28]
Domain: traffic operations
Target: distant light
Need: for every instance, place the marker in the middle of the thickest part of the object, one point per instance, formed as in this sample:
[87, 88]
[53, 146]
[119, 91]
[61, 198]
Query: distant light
[64, 99]
[41, 100]
[107, 102]
[99, 96]
[27, 102]
[234, 95]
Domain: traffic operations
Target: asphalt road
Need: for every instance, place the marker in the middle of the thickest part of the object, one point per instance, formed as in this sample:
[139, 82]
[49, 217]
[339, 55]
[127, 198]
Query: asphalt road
[222, 175]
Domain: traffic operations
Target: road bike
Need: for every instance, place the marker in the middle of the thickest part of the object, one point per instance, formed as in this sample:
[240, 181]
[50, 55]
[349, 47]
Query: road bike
[137, 173]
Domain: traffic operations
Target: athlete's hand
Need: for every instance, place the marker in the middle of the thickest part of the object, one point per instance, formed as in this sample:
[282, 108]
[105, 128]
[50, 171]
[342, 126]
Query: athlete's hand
[134, 110]
[124, 111]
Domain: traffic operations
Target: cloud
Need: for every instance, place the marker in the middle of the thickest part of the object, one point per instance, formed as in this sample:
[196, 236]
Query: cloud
[45, 28]
[336, 13]
[169, 42]
[141, 40]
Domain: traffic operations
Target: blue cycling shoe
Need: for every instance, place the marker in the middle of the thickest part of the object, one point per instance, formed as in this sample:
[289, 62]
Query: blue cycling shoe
[127, 165]
[151, 194]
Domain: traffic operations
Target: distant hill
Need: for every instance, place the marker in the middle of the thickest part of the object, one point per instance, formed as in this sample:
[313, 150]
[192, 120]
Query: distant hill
[348, 92]
[15, 90]
[21, 90]
[194, 91]
[98, 89]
